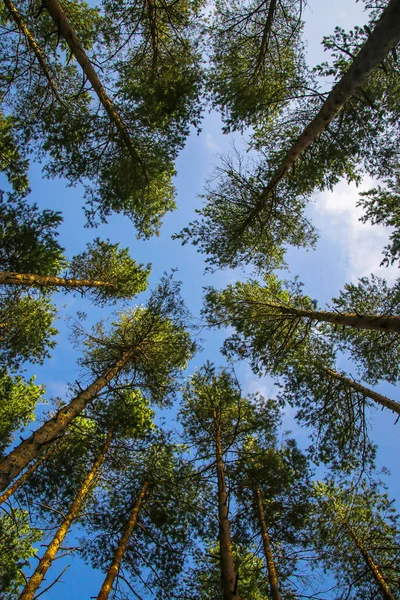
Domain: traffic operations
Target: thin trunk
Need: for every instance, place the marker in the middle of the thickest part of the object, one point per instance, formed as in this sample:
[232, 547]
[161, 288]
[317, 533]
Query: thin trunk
[26, 476]
[123, 543]
[30, 40]
[151, 10]
[266, 34]
[374, 569]
[68, 33]
[45, 563]
[367, 392]
[11, 278]
[22, 455]
[272, 574]
[228, 575]
[384, 37]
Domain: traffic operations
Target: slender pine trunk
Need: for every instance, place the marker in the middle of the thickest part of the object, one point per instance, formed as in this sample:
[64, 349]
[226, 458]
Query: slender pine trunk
[68, 33]
[152, 14]
[384, 37]
[25, 477]
[45, 563]
[11, 278]
[266, 34]
[30, 40]
[228, 574]
[367, 392]
[28, 450]
[371, 565]
[123, 543]
[272, 574]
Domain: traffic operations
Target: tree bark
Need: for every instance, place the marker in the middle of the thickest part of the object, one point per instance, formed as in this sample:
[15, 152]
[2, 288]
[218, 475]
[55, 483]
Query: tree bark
[45, 563]
[367, 392]
[266, 34]
[11, 278]
[373, 568]
[228, 575]
[384, 37]
[272, 574]
[123, 543]
[151, 11]
[25, 477]
[68, 33]
[30, 40]
[28, 450]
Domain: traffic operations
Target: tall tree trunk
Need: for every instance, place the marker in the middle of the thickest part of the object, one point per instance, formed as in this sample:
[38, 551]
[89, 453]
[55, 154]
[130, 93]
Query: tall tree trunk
[266, 34]
[68, 33]
[11, 278]
[272, 574]
[384, 37]
[152, 14]
[367, 392]
[123, 543]
[26, 476]
[22, 455]
[370, 322]
[30, 40]
[228, 575]
[45, 563]
[373, 568]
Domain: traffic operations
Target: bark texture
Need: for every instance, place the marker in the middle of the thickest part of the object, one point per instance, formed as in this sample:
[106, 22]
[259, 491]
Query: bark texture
[272, 574]
[30, 40]
[25, 477]
[367, 392]
[22, 455]
[228, 575]
[36, 579]
[384, 37]
[68, 33]
[11, 278]
[124, 541]
[371, 565]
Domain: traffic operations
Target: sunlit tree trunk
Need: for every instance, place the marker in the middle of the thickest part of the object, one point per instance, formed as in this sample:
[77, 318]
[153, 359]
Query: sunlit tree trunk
[228, 575]
[123, 543]
[272, 574]
[30, 40]
[25, 477]
[10, 278]
[68, 33]
[36, 579]
[367, 392]
[28, 450]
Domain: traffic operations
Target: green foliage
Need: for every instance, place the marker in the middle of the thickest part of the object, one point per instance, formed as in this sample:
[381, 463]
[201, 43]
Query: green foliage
[18, 400]
[103, 261]
[28, 238]
[15, 550]
[12, 163]
[26, 330]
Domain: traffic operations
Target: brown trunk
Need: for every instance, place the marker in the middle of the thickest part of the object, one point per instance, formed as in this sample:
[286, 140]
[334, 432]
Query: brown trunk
[367, 392]
[30, 40]
[228, 575]
[25, 477]
[272, 574]
[120, 551]
[11, 278]
[66, 30]
[45, 563]
[266, 34]
[384, 37]
[151, 10]
[28, 450]
[374, 569]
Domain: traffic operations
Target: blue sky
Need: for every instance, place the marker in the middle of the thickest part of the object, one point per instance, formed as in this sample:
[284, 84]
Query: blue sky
[346, 250]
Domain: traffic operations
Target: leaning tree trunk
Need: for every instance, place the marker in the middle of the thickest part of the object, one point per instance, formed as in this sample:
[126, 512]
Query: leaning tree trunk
[28, 450]
[68, 33]
[272, 574]
[30, 279]
[384, 37]
[123, 543]
[45, 563]
[228, 575]
[30, 40]
[367, 392]
[371, 565]
[266, 34]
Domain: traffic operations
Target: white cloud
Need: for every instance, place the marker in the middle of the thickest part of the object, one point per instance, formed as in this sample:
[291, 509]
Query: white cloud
[360, 245]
